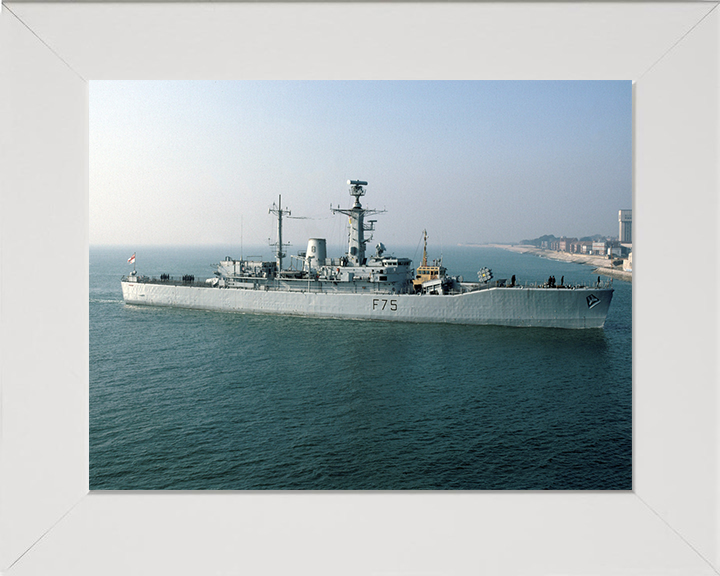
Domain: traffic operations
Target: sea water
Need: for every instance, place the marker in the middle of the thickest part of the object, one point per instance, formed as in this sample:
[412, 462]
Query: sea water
[200, 400]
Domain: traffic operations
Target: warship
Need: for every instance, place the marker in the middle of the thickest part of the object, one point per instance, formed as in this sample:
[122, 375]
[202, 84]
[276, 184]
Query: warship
[371, 286]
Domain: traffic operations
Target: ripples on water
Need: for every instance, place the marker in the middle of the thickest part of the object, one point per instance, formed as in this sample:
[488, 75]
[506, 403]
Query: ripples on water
[183, 399]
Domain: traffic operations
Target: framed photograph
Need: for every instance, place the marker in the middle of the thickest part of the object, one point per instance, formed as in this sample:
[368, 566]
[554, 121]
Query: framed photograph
[667, 523]
[407, 337]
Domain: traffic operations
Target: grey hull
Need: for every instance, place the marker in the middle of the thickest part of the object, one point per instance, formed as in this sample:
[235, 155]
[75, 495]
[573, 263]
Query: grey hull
[503, 306]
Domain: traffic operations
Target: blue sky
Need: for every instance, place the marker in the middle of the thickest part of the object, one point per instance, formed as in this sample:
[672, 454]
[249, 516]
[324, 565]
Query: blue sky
[187, 162]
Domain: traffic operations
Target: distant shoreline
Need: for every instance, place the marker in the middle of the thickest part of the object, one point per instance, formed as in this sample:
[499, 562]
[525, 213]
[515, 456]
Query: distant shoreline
[602, 265]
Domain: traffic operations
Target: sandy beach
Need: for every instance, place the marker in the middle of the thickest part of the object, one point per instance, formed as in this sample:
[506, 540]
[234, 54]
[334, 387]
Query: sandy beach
[602, 265]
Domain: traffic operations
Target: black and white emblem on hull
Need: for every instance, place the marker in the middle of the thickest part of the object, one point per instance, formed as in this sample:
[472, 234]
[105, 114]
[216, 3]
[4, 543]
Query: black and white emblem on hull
[592, 301]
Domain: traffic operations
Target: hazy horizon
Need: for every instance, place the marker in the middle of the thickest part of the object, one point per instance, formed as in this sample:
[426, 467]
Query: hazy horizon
[473, 162]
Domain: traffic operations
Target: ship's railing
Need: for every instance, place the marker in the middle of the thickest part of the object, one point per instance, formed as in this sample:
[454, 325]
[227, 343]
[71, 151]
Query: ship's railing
[316, 286]
[475, 286]
[171, 281]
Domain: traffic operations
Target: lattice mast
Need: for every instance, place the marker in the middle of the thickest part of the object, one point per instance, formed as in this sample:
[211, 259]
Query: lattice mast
[357, 226]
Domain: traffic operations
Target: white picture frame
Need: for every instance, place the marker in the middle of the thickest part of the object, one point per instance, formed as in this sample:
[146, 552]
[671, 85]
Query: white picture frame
[49, 522]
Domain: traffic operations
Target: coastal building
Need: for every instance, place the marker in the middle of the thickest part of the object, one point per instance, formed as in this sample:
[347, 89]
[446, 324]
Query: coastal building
[625, 221]
[615, 250]
[585, 247]
[563, 244]
[628, 264]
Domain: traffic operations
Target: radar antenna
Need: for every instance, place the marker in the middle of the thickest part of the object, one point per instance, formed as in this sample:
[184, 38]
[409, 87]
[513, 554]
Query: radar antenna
[357, 226]
[357, 190]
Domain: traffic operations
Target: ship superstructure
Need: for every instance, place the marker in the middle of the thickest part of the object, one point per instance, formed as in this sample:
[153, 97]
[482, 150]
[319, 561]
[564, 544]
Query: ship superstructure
[359, 285]
[428, 276]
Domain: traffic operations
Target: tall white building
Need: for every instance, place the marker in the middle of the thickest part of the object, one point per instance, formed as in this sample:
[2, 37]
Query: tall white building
[625, 220]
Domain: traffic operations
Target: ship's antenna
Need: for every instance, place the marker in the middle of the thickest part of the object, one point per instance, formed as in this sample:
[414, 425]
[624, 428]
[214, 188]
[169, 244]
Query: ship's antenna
[424, 263]
[279, 212]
